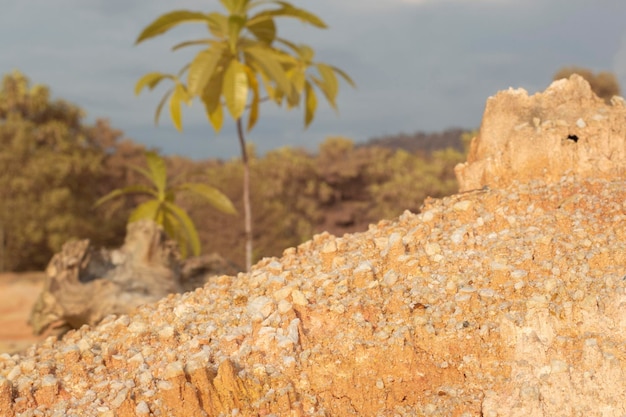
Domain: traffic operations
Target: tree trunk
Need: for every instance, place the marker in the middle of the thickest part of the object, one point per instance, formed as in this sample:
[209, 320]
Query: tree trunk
[246, 195]
[85, 284]
[2, 248]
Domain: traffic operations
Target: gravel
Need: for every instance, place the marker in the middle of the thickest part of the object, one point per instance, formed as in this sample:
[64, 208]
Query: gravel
[450, 273]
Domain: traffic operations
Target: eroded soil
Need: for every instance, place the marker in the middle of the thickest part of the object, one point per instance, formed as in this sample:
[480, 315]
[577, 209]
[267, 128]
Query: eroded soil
[18, 292]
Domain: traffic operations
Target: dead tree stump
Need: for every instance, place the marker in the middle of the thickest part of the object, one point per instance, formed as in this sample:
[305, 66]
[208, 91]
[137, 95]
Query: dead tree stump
[85, 284]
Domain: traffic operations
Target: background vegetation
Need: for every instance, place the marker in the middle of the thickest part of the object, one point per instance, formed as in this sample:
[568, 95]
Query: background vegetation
[341, 189]
[54, 167]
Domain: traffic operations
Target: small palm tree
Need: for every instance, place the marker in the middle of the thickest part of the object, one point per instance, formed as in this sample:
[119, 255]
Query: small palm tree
[162, 208]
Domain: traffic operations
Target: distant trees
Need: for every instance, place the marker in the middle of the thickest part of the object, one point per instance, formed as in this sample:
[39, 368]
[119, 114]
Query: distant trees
[420, 141]
[52, 168]
[410, 179]
[341, 189]
[55, 167]
[603, 83]
[244, 58]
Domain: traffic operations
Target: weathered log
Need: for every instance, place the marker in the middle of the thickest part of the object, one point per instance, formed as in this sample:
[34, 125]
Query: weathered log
[85, 284]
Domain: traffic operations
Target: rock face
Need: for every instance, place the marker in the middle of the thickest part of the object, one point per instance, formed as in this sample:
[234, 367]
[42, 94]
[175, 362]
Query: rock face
[567, 128]
[497, 302]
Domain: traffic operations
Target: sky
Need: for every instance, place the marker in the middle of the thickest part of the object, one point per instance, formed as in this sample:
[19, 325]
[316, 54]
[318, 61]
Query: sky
[419, 65]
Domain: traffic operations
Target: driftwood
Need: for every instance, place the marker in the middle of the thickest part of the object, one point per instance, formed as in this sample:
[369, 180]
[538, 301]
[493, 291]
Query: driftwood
[85, 284]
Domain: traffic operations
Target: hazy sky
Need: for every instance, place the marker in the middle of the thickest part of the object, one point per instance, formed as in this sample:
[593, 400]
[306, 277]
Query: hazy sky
[419, 64]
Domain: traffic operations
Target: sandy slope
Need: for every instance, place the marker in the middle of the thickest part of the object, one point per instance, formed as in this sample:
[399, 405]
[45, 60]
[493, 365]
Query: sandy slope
[18, 292]
[498, 302]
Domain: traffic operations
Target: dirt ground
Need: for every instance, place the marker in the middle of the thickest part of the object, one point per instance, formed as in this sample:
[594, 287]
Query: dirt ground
[18, 292]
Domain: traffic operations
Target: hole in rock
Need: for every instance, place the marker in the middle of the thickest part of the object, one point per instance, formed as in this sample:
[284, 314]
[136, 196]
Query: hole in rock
[573, 138]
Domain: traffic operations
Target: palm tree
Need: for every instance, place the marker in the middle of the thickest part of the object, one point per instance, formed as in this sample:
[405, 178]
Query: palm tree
[162, 207]
[241, 57]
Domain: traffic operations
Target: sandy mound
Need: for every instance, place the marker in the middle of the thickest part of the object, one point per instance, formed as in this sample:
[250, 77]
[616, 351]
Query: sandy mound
[498, 302]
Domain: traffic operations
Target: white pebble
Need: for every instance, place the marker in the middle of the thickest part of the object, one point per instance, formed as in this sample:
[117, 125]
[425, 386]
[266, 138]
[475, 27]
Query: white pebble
[299, 298]
[260, 307]
[432, 248]
[284, 306]
[142, 408]
[462, 205]
[518, 273]
[427, 216]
